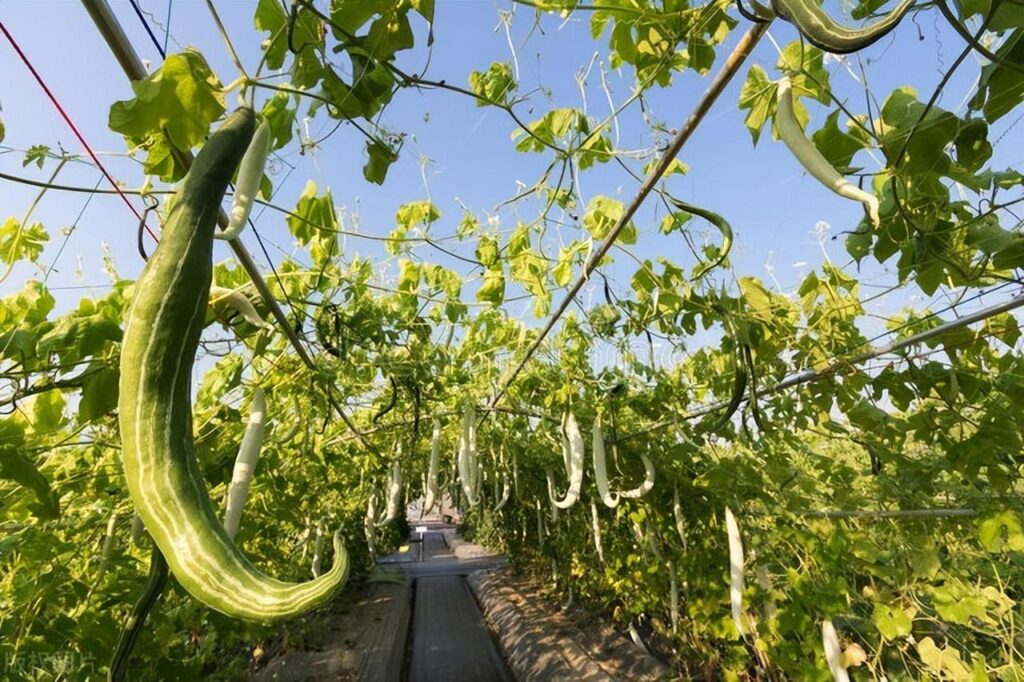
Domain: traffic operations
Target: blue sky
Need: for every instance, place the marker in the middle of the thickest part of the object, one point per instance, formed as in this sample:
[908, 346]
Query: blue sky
[455, 151]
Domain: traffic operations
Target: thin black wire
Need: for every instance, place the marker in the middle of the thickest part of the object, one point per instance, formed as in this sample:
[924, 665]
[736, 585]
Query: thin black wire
[145, 24]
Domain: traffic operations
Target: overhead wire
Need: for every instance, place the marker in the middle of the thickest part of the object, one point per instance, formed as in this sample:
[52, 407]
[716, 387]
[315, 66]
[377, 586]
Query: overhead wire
[71, 124]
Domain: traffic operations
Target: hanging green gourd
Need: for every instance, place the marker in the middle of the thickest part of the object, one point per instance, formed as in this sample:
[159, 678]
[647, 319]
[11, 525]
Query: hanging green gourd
[154, 410]
[821, 30]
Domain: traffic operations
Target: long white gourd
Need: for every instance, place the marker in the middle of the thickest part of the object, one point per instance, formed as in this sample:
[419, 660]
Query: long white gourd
[370, 523]
[677, 513]
[573, 452]
[595, 522]
[250, 172]
[552, 506]
[732, 529]
[601, 471]
[648, 483]
[469, 468]
[430, 494]
[245, 463]
[810, 158]
[600, 466]
[504, 494]
[239, 303]
[394, 491]
[833, 652]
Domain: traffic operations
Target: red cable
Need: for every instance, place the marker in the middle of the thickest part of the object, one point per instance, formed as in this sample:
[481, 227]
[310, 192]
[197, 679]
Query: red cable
[74, 129]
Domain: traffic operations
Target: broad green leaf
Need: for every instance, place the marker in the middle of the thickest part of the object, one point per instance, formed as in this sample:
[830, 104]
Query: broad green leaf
[601, 216]
[834, 144]
[1001, 532]
[945, 661]
[313, 215]
[270, 16]
[487, 251]
[891, 621]
[758, 96]
[182, 99]
[99, 394]
[18, 242]
[492, 289]
[495, 85]
[417, 213]
[280, 117]
[379, 160]
[1001, 89]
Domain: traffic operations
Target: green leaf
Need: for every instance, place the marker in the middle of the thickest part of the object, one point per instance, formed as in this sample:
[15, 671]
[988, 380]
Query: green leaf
[20, 243]
[972, 146]
[37, 154]
[1001, 532]
[834, 144]
[758, 96]
[99, 394]
[416, 213]
[757, 298]
[47, 412]
[493, 86]
[601, 216]
[492, 289]
[15, 467]
[487, 251]
[1000, 89]
[389, 34]
[891, 622]
[379, 160]
[182, 98]
[280, 117]
[270, 16]
[945, 661]
[313, 215]
[1003, 327]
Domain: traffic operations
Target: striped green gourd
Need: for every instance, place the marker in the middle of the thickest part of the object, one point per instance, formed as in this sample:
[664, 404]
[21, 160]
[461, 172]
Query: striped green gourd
[821, 30]
[155, 406]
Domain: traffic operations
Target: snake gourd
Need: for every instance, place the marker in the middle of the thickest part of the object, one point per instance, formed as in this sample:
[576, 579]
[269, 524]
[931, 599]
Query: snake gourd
[821, 30]
[809, 156]
[155, 406]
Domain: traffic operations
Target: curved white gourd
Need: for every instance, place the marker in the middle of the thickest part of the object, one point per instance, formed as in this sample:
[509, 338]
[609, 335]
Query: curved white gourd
[833, 652]
[430, 494]
[239, 303]
[468, 466]
[810, 158]
[245, 463]
[250, 172]
[735, 569]
[573, 453]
